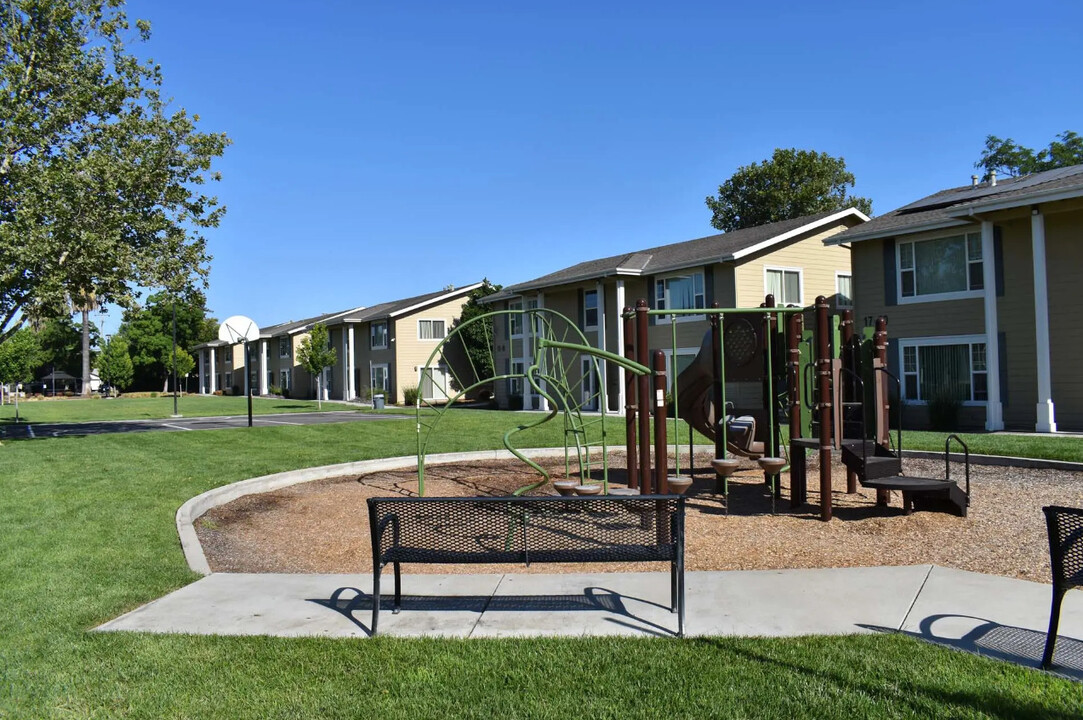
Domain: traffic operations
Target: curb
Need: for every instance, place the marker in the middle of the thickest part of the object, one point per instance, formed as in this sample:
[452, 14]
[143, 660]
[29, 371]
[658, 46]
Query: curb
[998, 460]
[191, 510]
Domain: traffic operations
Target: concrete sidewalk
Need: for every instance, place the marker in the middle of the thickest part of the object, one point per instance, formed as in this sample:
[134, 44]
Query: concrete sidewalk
[989, 615]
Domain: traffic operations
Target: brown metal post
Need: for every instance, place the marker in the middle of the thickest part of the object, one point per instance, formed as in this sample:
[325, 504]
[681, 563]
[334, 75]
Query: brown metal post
[798, 492]
[849, 387]
[630, 404]
[770, 325]
[823, 376]
[661, 457]
[883, 423]
[716, 383]
[644, 394]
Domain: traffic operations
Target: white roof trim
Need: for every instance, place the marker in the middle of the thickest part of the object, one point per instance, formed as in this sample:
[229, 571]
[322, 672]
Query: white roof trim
[438, 299]
[752, 249]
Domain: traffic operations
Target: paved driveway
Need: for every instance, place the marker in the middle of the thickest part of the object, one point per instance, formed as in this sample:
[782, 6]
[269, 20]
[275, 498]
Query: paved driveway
[43, 430]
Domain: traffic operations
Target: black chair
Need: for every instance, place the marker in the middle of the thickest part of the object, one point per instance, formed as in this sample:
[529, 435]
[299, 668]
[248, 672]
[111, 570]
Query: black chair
[1066, 556]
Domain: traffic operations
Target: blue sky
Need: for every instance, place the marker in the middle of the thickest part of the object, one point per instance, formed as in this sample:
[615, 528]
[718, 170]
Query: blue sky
[385, 149]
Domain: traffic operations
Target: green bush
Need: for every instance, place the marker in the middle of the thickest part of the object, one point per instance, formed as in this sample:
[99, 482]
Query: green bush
[944, 411]
[275, 390]
[410, 395]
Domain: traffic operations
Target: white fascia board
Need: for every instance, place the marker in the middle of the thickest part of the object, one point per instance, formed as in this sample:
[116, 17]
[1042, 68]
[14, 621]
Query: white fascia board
[835, 217]
[1018, 201]
[439, 299]
[895, 232]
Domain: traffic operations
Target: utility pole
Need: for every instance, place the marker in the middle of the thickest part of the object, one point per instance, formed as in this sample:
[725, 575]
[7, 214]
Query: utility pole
[175, 412]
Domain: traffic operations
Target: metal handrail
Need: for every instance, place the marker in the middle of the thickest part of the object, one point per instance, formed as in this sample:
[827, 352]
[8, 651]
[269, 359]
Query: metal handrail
[898, 387]
[966, 461]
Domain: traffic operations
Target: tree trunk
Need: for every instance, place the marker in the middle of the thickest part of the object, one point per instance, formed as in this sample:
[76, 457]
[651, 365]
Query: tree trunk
[319, 394]
[86, 351]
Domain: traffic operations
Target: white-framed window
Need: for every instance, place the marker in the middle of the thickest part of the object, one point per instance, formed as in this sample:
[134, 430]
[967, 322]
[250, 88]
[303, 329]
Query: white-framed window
[685, 356]
[227, 356]
[515, 384]
[680, 292]
[378, 335]
[943, 268]
[283, 347]
[844, 291]
[433, 382]
[286, 376]
[786, 284]
[515, 320]
[590, 309]
[944, 367]
[431, 329]
[229, 379]
[378, 377]
[589, 386]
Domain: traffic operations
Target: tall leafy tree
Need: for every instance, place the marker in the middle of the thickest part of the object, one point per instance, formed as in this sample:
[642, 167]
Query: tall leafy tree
[115, 364]
[477, 338]
[1006, 157]
[61, 342]
[149, 332]
[791, 184]
[101, 185]
[19, 357]
[315, 354]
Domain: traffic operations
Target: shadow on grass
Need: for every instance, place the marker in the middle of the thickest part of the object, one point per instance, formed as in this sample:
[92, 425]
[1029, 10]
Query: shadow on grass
[946, 702]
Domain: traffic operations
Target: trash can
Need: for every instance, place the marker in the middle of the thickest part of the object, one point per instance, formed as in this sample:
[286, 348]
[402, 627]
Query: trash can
[377, 402]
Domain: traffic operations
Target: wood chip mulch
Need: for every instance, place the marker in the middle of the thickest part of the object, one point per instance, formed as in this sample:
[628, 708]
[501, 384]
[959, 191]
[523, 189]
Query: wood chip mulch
[322, 526]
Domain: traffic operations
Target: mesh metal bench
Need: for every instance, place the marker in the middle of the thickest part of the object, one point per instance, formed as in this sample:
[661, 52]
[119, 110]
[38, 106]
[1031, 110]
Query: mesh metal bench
[1066, 558]
[645, 528]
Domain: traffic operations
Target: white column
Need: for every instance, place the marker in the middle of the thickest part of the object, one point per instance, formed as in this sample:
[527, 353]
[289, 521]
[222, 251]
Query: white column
[202, 372]
[345, 367]
[603, 395]
[994, 412]
[264, 388]
[527, 325]
[1046, 416]
[214, 372]
[544, 401]
[351, 391]
[620, 343]
[247, 369]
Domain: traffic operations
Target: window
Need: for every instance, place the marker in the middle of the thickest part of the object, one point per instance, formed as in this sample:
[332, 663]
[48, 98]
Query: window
[430, 329]
[685, 356]
[590, 309]
[227, 356]
[229, 380]
[515, 320]
[283, 347]
[844, 291]
[286, 375]
[378, 378]
[953, 370]
[515, 384]
[784, 284]
[680, 292]
[942, 266]
[378, 335]
[589, 394]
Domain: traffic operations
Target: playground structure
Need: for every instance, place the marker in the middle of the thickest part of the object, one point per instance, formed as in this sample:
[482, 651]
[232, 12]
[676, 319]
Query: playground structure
[830, 385]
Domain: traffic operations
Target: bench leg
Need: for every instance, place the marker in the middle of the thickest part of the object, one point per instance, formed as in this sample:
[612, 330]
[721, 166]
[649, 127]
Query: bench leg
[680, 597]
[1054, 621]
[673, 587]
[398, 588]
[375, 598]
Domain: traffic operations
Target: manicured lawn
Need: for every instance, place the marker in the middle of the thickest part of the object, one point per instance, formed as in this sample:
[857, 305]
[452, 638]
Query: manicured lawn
[122, 408]
[1034, 446]
[87, 532]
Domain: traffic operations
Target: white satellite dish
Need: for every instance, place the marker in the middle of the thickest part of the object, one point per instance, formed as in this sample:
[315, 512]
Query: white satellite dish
[238, 329]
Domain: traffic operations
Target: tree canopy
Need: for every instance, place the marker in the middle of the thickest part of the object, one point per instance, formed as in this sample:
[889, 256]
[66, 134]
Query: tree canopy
[477, 339]
[149, 333]
[115, 364]
[1006, 157]
[791, 184]
[315, 354]
[19, 357]
[101, 187]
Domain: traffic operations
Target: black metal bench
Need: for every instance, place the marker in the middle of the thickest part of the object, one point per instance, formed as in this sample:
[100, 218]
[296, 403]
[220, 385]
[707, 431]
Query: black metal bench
[1065, 527]
[645, 528]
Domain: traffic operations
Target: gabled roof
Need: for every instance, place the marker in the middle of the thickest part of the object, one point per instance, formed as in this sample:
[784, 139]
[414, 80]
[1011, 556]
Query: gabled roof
[293, 327]
[725, 247]
[397, 308]
[955, 206]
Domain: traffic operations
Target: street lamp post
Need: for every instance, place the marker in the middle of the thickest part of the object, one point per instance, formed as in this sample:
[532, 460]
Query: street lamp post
[175, 412]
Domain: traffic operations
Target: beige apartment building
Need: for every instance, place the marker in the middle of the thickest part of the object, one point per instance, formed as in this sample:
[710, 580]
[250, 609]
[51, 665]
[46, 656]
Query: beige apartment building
[979, 285]
[736, 269]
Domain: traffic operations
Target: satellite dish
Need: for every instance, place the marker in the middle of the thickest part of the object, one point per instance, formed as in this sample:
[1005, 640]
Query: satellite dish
[238, 329]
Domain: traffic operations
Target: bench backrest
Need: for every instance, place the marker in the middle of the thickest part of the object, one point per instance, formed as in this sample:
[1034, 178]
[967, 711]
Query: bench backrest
[1065, 527]
[526, 529]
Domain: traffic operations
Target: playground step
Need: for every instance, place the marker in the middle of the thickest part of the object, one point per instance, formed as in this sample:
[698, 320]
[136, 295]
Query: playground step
[870, 460]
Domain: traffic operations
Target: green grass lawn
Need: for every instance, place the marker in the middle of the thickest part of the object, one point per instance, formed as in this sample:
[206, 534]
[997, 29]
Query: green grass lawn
[122, 408]
[87, 532]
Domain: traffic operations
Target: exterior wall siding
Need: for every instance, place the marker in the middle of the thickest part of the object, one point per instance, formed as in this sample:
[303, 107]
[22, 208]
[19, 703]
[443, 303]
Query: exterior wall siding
[818, 264]
[1064, 259]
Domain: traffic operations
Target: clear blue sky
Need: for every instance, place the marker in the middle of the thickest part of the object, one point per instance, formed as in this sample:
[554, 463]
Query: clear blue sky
[385, 149]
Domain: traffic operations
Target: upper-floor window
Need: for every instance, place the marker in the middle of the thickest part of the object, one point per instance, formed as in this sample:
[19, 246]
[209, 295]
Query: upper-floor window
[378, 335]
[943, 266]
[784, 284]
[430, 329]
[680, 292]
[515, 319]
[844, 291]
[283, 347]
[590, 309]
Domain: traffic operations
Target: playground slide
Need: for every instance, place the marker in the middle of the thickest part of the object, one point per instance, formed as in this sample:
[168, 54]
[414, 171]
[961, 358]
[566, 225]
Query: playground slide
[696, 406]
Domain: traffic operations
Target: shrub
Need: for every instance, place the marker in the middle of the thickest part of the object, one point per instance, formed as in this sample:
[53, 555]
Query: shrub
[944, 411]
[410, 395]
[275, 390]
[154, 394]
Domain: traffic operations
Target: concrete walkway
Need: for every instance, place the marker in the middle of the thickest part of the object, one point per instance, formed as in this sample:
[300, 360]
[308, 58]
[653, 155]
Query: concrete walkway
[994, 616]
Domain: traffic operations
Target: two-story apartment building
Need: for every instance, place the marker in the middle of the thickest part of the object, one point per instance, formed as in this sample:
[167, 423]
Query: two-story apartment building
[220, 367]
[979, 285]
[734, 269]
